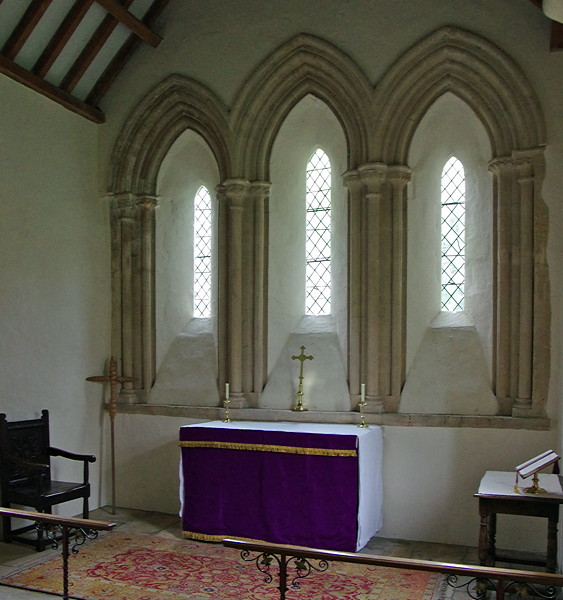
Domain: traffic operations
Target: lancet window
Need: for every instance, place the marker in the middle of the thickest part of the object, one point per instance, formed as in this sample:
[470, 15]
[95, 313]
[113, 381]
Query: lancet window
[318, 235]
[453, 235]
[202, 253]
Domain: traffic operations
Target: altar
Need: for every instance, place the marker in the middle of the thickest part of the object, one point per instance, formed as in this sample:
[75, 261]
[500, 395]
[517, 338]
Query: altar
[303, 484]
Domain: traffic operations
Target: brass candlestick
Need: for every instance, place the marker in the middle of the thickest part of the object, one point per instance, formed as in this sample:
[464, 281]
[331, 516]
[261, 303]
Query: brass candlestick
[227, 418]
[302, 358]
[362, 404]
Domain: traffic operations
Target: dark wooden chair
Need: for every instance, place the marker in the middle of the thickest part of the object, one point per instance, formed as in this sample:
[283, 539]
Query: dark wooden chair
[25, 474]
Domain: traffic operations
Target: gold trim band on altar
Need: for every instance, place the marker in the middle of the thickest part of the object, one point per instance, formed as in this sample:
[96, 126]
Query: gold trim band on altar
[207, 537]
[270, 448]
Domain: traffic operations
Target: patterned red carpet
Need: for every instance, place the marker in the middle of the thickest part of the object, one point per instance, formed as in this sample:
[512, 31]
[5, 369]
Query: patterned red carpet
[125, 566]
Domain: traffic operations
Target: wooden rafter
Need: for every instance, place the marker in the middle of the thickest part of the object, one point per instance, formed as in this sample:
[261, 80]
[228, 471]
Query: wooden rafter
[24, 28]
[556, 39]
[32, 81]
[34, 78]
[119, 12]
[121, 58]
[90, 51]
[556, 36]
[61, 37]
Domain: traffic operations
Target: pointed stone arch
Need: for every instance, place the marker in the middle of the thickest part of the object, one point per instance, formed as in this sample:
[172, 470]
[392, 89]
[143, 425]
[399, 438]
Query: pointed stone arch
[496, 89]
[304, 65]
[174, 105]
[456, 61]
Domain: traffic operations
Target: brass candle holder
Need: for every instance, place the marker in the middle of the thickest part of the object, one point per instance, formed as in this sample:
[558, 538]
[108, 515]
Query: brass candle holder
[227, 418]
[362, 403]
[226, 403]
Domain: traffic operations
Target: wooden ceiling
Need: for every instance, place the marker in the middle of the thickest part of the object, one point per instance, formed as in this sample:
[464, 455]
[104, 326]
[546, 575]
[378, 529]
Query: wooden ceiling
[72, 50]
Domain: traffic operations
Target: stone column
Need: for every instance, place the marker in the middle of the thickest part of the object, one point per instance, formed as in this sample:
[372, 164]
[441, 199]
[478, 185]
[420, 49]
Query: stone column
[399, 176]
[502, 170]
[523, 401]
[355, 234]
[234, 193]
[123, 222]
[147, 206]
[521, 285]
[260, 193]
[534, 336]
[373, 177]
[133, 280]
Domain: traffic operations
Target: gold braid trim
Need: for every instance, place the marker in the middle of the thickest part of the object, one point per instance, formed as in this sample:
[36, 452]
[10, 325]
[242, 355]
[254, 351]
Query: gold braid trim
[205, 537]
[270, 448]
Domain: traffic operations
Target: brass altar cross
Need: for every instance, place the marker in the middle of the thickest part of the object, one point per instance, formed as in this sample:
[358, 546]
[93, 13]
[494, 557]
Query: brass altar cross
[302, 358]
[114, 381]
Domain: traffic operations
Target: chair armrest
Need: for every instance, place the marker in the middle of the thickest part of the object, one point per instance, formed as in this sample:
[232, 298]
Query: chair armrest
[85, 458]
[72, 455]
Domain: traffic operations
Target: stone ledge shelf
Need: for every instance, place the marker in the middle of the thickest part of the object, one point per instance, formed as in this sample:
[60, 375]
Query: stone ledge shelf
[217, 413]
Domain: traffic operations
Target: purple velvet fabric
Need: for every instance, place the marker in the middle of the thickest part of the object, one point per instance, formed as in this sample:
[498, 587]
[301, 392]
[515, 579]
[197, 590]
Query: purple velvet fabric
[296, 499]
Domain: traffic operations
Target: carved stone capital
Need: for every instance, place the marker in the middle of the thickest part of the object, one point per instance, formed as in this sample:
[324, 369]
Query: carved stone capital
[502, 165]
[351, 179]
[126, 205]
[148, 203]
[260, 190]
[399, 175]
[373, 176]
[235, 191]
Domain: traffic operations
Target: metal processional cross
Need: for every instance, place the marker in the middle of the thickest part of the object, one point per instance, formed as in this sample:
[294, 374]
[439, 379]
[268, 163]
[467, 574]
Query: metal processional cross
[114, 381]
[302, 358]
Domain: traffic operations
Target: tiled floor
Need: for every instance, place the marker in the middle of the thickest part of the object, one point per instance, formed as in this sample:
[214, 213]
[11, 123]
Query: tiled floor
[13, 556]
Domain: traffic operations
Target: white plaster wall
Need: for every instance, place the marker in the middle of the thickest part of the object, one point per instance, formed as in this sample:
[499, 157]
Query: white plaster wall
[54, 276]
[147, 462]
[431, 474]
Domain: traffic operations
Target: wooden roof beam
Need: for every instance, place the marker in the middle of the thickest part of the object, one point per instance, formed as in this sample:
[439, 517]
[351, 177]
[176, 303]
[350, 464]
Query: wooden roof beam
[124, 54]
[61, 37]
[129, 20]
[90, 51]
[37, 84]
[556, 39]
[24, 28]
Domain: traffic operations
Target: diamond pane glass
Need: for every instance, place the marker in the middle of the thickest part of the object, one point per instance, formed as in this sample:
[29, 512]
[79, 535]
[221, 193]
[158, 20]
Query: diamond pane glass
[453, 236]
[202, 253]
[317, 237]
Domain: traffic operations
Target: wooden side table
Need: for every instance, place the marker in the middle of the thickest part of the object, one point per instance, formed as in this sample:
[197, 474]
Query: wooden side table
[497, 496]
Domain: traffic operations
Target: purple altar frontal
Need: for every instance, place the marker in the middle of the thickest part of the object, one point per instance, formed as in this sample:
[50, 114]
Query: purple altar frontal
[304, 484]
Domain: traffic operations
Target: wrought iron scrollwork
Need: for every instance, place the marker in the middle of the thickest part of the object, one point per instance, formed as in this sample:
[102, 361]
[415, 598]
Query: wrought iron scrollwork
[262, 561]
[477, 588]
[54, 533]
[526, 590]
[80, 536]
[302, 566]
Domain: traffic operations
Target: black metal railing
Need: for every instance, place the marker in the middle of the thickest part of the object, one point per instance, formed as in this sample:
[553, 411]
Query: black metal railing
[478, 581]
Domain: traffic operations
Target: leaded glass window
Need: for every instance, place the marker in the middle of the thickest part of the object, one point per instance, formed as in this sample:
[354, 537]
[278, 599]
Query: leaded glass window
[453, 236]
[202, 253]
[318, 234]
